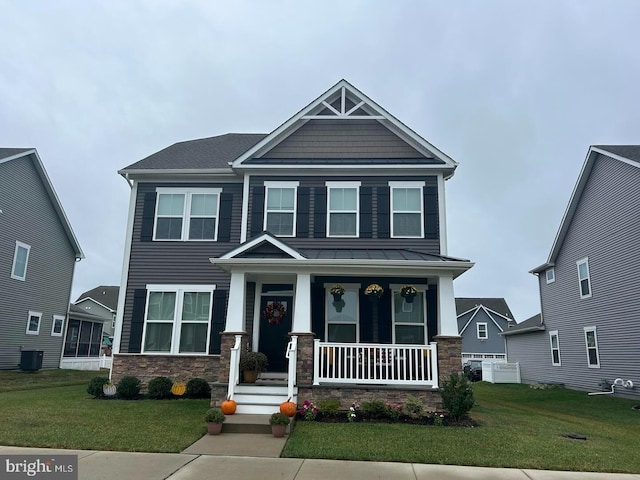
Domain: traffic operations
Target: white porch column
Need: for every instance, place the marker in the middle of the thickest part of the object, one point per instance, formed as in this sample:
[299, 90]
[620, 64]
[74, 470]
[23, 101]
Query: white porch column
[447, 319]
[235, 308]
[302, 304]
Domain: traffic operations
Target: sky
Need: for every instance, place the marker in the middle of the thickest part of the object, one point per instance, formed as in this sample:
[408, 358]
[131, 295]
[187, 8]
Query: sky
[516, 92]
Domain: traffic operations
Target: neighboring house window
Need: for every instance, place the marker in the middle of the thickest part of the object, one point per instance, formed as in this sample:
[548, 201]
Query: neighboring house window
[409, 326]
[481, 328]
[555, 347]
[280, 209]
[407, 215]
[57, 326]
[591, 339]
[584, 278]
[342, 209]
[33, 323]
[342, 316]
[83, 339]
[177, 319]
[187, 214]
[20, 260]
[551, 275]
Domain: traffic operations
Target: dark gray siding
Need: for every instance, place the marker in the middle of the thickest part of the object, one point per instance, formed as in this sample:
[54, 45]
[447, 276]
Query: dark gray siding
[606, 229]
[28, 216]
[343, 139]
[470, 342]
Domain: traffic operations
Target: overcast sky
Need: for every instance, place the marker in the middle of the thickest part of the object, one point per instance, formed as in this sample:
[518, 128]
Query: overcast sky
[513, 91]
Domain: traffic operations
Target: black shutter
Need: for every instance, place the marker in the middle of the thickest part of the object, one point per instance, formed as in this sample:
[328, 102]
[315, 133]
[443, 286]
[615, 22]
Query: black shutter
[224, 225]
[302, 222]
[218, 319]
[148, 214]
[431, 212]
[317, 311]
[137, 320]
[257, 210]
[432, 312]
[365, 212]
[320, 217]
[384, 218]
[366, 318]
[384, 317]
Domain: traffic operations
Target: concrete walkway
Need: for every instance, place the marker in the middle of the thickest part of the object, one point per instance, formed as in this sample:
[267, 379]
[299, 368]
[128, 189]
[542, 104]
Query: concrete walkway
[93, 465]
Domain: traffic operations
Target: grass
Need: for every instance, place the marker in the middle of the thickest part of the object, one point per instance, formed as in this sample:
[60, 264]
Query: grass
[518, 428]
[38, 412]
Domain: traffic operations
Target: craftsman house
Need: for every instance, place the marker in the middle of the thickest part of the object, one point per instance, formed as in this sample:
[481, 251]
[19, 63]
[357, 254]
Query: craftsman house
[297, 244]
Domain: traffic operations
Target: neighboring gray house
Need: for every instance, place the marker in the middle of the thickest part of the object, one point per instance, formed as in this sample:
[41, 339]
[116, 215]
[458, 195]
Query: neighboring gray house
[38, 253]
[102, 302]
[589, 288]
[480, 323]
[236, 242]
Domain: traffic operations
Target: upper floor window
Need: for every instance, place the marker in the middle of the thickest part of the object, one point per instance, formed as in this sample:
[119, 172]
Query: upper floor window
[187, 214]
[584, 278]
[342, 209]
[57, 326]
[20, 260]
[555, 347]
[481, 329]
[407, 213]
[33, 323]
[280, 209]
[591, 339]
[550, 274]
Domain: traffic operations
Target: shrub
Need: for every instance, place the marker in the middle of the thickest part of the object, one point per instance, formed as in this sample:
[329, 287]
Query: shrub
[394, 412]
[159, 388]
[329, 407]
[198, 388]
[95, 386]
[278, 419]
[214, 415]
[375, 410]
[308, 411]
[457, 396]
[413, 407]
[128, 387]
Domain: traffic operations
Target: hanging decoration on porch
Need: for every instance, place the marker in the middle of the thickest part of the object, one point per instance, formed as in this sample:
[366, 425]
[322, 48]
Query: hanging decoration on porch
[408, 292]
[337, 291]
[274, 312]
[374, 291]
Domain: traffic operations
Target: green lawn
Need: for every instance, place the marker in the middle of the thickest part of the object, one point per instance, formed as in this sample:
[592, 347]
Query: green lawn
[518, 427]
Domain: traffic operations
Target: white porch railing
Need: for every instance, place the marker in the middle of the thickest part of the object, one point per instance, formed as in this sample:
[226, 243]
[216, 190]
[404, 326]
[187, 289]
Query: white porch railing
[292, 355]
[370, 363]
[234, 367]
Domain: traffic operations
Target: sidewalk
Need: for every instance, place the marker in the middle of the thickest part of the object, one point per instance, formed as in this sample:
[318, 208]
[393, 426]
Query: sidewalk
[93, 465]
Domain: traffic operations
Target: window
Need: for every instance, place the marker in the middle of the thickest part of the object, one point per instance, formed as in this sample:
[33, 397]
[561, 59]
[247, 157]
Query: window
[183, 214]
[342, 315]
[342, 209]
[407, 219]
[481, 329]
[20, 260]
[280, 210]
[83, 339]
[591, 339]
[33, 324]
[57, 326]
[551, 275]
[555, 347]
[584, 278]
[409, 326]
[177, 319]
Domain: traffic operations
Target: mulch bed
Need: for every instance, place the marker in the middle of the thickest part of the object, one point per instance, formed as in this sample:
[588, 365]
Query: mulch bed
[341, 417]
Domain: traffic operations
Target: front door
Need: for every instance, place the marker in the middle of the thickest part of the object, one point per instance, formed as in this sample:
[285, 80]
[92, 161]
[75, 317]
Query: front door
[276, 314]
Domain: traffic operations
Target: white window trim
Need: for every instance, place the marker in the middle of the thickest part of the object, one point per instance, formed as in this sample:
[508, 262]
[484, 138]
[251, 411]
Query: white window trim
[554, 333]
[329, 297]
[421, 289]
[179, 290]
[15, 257]
[53, 325]
[588, 277]
[276, 184]
[486, 330]
[551, 271]
[586, 344]
[355, 185]
[34, 314]
[186, 212]
[416, 185]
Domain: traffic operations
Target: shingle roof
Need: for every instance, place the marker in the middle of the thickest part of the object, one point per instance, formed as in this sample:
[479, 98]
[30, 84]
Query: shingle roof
[531, 324]
[10, 152]
[632, 152]
[498, 305]
[104, 294]
[203, 153]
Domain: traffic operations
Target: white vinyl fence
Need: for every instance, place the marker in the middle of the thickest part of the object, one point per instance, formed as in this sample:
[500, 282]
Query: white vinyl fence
[500, 372]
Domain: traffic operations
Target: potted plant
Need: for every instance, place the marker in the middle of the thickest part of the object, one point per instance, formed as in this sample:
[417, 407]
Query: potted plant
[408, 292]
[374, 291]
[214, 418]
[337, 291]
[251, 364]
[278, 422]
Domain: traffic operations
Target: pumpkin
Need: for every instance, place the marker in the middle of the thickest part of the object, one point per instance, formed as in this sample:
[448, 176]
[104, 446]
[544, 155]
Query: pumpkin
[228, 407]
[178, 389]
[288, 408]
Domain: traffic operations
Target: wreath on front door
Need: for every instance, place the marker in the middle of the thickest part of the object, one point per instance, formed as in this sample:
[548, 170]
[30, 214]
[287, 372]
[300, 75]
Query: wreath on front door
[274, 312]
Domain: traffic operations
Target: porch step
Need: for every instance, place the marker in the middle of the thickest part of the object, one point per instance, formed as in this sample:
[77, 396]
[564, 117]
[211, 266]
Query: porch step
[260, 399]
[246, 423]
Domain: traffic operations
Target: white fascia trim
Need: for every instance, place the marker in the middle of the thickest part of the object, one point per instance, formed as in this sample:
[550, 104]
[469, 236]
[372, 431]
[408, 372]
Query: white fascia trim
[94, 301]
[470, 318]
[616, 157]
[245, 208]
[468, 311]
[175, 171]
[442, 215]
[262, 238]
[493, 312]
[487, 311]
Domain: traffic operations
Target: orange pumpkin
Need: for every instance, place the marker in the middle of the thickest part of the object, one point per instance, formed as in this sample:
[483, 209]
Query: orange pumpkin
[288, 408]
[178, 389]
[228, 407]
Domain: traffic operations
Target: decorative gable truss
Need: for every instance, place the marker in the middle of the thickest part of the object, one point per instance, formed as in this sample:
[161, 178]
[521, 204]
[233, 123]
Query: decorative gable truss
[490, 313]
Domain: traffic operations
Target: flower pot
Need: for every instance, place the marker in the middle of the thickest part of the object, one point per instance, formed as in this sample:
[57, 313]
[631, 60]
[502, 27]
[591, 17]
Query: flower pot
[214, 428]
[338, 305]
[409, 298]
[278, 430]
[250, 376]
[337, 297]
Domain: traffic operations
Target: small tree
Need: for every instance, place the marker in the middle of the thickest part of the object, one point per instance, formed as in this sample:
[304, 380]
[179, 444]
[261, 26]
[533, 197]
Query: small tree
[457, 396]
